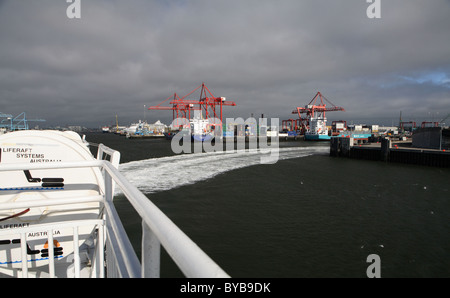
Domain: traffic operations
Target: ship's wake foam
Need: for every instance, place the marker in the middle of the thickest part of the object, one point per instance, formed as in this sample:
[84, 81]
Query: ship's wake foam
[159, 174]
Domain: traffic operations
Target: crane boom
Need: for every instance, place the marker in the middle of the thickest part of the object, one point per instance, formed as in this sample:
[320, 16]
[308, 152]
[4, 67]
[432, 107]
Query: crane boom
[206, 102]
[442, 121]
[316, 107]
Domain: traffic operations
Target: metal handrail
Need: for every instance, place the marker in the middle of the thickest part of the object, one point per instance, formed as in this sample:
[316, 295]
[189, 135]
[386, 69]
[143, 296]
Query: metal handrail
[192, 261]
[52, 202]
[157, 230]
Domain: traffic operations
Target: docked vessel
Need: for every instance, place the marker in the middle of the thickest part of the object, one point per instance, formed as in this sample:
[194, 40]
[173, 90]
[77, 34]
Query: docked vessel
[314, 125]
[58, 219]
[317, 129]
[145, 130]
[133, 128]
[200, 129]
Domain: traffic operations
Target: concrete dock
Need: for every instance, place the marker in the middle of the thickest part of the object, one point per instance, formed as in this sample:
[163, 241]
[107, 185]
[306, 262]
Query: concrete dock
[390, 151]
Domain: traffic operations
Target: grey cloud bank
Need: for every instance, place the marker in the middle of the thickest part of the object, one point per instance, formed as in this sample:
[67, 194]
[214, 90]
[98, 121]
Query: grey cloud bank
[267, 56]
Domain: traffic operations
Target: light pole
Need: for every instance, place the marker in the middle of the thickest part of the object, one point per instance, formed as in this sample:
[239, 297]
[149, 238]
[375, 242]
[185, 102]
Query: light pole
[145, 110]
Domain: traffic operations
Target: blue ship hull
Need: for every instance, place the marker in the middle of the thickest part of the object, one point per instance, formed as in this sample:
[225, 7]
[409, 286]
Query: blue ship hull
[317, 137]
[169, 136]
[201, 138]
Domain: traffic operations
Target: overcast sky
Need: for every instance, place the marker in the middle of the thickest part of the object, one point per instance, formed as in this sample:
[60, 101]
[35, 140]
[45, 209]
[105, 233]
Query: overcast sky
[269, 56]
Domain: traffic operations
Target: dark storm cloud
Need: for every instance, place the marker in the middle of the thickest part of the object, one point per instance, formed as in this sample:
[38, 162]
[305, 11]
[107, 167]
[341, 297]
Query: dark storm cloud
[268, 56]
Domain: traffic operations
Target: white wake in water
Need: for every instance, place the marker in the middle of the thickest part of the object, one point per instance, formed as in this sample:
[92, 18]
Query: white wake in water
[158, 174]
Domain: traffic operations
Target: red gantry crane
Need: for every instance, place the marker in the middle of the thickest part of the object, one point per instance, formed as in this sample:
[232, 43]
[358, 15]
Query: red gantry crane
[315, 109]
[209, 106]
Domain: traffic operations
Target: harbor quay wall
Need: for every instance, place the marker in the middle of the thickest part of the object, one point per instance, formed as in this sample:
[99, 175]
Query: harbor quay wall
[344, 147]
[247, 139]
[429, 137]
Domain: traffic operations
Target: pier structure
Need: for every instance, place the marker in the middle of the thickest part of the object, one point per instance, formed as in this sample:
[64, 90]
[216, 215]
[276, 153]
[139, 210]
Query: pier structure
[429, 147]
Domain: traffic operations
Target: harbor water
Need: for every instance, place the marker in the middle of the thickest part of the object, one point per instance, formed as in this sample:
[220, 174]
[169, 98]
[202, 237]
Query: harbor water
[307, 215]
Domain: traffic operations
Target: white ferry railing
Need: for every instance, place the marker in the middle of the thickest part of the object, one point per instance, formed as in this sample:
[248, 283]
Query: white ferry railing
[106, 153]
[157, 230]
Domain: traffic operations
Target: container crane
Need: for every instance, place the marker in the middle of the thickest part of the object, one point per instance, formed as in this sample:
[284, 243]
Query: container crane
[207, 103]
[429, 124]
[408, 124]
[20, 122]
[313, 124]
